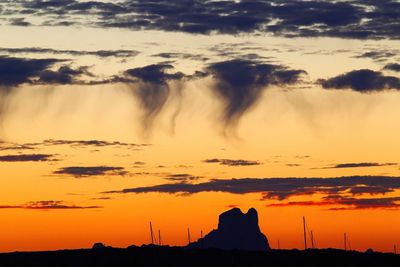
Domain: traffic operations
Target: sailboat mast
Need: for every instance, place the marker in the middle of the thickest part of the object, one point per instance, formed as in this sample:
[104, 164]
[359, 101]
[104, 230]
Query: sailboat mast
[305, 233]
[312, 239]
[151, 234]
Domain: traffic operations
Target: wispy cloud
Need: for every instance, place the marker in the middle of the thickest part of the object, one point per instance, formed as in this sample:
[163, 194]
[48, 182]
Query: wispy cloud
[232, 162]
[98, 53]
[27, 157]
[359, 165]
[48, 205]
[81, 172]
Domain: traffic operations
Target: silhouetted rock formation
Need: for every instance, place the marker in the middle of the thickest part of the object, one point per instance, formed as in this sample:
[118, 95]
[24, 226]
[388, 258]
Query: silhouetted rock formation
[235, 231]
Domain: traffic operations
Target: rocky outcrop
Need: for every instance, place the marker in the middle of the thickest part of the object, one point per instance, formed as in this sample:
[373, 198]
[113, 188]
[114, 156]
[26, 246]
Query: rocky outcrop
[236, 230]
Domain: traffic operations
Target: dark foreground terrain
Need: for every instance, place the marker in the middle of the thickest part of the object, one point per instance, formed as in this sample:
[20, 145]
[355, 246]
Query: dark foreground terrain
[169, 256]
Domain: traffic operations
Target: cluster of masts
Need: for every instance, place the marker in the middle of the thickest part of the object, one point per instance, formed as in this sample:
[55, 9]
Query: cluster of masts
[306, 230]
[159, 242]
[346, 240]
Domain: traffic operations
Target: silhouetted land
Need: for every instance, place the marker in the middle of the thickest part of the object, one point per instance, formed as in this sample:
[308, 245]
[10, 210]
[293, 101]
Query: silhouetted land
[176, 257]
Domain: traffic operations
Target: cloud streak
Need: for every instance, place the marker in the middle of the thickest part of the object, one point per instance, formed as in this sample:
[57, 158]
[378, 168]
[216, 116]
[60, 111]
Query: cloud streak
[121, 53]
[27, 157]
[82, 172]
[359, 165]
[48, 205]
[233, 162]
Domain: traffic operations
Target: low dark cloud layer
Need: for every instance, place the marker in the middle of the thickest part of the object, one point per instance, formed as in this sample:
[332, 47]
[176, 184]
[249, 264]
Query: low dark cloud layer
[82, 172]
[240, 83]
[359, 165]
[361, 19]
[120, 53]
[233, 162]
[280, 188]
[47, 205]
[27, 157]
[363, 81]
[347, 203]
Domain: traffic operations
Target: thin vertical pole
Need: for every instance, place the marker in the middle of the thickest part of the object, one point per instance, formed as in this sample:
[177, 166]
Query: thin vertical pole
[312, 239]
[151, 234]
[159, 238]
[345, 241]
[395, 249]
[305, 233]
[189, 235]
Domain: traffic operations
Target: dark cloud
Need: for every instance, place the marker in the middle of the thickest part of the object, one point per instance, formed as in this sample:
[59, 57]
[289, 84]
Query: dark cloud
[233, 162]
[90, 143]
[78, 144]
[154, 88]
[172, 55]
[378, 55]
[99, 53]
[19, 22]
[14, 146]
[278, 188]
[102, 198]
[64, 75]
[293, 165]
[363, 81]
[359, 165]
[81, 172]
[155, 73]
[182, 177]
[347, 203]
[393, 67]
[16, 71]
[27, 157]
[372, 190]
[47, 205]
[375, 19]
[240, 83]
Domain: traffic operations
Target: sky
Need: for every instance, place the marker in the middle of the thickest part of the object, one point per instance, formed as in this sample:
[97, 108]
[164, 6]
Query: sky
[117, 113]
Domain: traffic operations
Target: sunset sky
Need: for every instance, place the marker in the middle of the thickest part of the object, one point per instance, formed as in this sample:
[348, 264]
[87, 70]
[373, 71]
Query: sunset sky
[117, 113]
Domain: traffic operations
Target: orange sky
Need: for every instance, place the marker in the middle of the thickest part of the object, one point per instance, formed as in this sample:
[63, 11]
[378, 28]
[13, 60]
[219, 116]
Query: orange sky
[292, 131]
